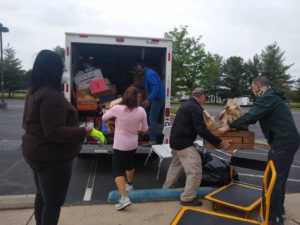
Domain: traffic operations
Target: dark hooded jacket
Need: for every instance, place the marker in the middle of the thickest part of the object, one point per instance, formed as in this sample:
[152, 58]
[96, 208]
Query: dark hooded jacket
[274, 117]
[51, 127]
[189, 123]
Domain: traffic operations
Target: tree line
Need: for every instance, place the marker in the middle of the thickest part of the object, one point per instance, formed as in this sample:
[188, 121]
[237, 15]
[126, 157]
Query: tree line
[192, 66]
[15, 77]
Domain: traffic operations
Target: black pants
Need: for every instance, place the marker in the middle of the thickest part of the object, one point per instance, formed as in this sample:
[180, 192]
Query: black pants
[52, 180]
[282, 157]
[122, 161]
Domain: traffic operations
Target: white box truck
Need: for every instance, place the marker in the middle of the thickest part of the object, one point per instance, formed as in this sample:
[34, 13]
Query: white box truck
[243, 101]
[115, 56]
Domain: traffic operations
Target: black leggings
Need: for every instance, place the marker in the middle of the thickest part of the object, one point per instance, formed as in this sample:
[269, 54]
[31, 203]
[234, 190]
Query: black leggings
[52, 180]
[122, 161]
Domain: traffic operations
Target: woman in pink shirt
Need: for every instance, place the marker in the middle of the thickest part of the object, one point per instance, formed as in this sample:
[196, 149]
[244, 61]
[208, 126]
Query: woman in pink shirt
[130, 119]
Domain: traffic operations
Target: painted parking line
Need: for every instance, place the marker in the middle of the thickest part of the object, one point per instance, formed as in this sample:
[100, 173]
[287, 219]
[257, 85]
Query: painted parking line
[261, 176]
[90, 183]
[12, 167]
[256, 153]
[248, 153]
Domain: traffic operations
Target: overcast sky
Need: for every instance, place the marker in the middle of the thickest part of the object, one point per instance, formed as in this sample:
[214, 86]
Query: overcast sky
[228, 27]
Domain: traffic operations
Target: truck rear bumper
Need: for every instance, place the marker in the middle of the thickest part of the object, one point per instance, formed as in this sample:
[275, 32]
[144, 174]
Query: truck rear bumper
[107, 149]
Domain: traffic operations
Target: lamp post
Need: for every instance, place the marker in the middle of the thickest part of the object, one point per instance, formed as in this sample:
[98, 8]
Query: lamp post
[2, 30]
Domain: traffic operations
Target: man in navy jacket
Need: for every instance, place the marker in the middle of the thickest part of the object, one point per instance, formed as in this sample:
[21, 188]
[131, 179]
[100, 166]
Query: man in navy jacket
[189, 123]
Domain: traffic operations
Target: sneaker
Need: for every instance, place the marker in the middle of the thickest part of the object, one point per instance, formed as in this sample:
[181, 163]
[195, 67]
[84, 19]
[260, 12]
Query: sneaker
[123, 203]
[128, 187]
[149, 144]
[194, 202]
[283, 216]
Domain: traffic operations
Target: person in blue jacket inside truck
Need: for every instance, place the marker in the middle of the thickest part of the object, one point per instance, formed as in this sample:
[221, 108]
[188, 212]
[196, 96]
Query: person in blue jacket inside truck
[153, 85]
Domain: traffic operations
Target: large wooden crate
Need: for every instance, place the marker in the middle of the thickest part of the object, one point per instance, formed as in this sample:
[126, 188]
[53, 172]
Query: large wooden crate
[240, 139]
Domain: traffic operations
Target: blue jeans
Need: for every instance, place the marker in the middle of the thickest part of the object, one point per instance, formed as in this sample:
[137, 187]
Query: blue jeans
[155, 109]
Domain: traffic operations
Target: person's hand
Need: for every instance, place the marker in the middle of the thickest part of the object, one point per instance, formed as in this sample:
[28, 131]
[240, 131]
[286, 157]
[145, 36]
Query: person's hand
[88, 131]
[223, 129]
[225, 144]
[96, 134]
[216, 132]
[146, 103]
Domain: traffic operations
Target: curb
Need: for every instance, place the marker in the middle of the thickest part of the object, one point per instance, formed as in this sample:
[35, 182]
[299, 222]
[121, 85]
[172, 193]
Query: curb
[17, 201]
[153, 195]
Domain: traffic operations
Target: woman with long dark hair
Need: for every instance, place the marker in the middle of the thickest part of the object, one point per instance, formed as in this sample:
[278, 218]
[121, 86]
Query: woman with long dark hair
[129, 119]
[52, 138]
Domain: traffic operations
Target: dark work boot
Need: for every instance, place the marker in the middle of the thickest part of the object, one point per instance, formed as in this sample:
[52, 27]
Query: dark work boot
[194, 202]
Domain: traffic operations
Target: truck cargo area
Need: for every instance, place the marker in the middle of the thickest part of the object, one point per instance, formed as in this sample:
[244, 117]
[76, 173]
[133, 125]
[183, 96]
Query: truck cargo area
[116, 63]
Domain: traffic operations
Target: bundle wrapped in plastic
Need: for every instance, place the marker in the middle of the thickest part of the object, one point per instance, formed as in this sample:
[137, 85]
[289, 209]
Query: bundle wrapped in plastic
[231, 112]
[210, 121]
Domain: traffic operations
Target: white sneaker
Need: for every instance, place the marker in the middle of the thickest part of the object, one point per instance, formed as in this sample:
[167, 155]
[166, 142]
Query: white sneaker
[128, 187]
[123, 203]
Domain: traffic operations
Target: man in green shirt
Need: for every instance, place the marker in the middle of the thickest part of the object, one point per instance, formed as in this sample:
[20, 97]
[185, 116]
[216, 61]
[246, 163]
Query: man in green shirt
[278, 127]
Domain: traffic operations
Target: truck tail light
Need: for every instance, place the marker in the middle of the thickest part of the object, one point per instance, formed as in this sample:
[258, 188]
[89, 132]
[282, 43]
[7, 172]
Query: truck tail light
[83, 36]
[167, 112]
[119, 39]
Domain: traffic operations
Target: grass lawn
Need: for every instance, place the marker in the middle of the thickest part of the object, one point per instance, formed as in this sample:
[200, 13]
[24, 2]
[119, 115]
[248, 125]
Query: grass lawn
[16, 95]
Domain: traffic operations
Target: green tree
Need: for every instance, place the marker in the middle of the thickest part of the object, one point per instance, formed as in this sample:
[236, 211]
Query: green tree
[212, 71]
[60, 51]
[188, 60]
[253, 68]
[12, 69]
[272, 65]
[233, 77]
[295, 94]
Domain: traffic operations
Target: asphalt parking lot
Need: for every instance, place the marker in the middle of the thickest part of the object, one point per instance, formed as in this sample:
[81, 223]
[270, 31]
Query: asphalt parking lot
[94, 171]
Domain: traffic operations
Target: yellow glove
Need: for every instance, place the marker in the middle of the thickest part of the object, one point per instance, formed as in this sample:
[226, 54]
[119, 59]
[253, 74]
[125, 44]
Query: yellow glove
[96, 134]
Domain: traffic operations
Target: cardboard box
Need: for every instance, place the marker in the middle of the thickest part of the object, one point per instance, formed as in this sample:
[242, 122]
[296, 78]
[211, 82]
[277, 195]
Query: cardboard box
[86, 103]
[84, 79]
[111, 91]
[98, 86]
[241, 139]
[81, 91]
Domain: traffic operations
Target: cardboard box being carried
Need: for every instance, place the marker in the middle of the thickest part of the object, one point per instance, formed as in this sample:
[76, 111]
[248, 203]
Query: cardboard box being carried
[241, 139]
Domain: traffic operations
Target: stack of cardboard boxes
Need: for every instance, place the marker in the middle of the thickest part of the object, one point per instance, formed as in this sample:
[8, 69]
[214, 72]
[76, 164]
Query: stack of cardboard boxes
[92, 87]
[240, 139]
[93, 91]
